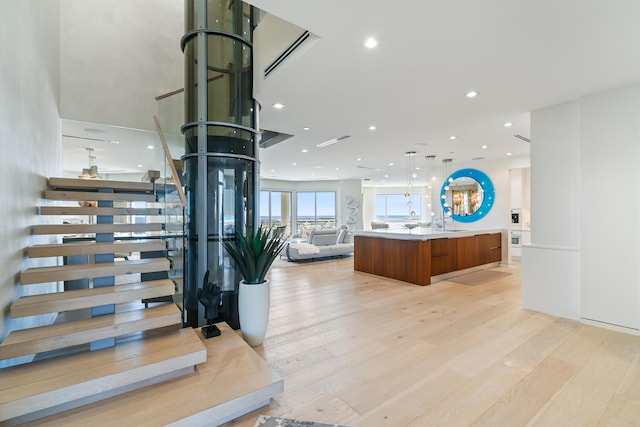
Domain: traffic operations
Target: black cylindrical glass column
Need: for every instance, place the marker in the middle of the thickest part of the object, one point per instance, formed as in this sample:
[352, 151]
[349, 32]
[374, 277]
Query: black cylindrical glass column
[221, 146]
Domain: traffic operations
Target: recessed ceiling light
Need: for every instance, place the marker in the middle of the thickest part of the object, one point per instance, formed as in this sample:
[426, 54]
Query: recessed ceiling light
[509, 154]
[139, 166]
[304, 150]
[484, 147]
[294, 164]
[359, 159]
[372, 128]
[337, 169]
[305, 128]
[452, 137]
[508, 124]
[278, 106]
[370, 43]
[386, 176]
[150, 147]
[391, 164]
[472, 94]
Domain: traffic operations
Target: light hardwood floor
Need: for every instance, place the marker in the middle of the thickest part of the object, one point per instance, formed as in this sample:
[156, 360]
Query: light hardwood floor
[365, 351]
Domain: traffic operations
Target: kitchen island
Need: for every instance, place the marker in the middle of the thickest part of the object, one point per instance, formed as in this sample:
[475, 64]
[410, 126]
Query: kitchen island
[416, 255]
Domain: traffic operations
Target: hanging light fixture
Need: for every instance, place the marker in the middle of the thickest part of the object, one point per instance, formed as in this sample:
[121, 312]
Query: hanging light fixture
[92, 171]
[411, 174]
[445, 186]
[429, 178]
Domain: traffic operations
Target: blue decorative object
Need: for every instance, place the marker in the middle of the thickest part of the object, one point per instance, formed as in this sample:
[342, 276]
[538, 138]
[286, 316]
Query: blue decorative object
[488, 196]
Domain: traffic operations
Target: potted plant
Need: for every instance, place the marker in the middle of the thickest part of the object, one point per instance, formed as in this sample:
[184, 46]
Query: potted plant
[254, 254]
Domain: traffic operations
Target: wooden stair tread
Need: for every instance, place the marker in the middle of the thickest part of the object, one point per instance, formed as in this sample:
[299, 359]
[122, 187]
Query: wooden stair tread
[92, 248]
[91, 297]
[96, 228]
[246, 384]
[52, 337]
[87, 184]
[89, 210]
[44, 384]
[91, 270]
[88, 195]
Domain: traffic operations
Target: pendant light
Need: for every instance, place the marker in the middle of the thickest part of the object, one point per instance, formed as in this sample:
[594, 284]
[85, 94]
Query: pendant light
[92, 171]
[410, 175]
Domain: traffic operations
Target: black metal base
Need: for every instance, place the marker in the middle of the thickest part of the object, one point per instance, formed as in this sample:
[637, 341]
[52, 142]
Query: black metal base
[211, 331]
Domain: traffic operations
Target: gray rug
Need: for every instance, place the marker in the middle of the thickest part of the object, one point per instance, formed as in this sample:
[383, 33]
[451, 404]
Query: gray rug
[266, 421]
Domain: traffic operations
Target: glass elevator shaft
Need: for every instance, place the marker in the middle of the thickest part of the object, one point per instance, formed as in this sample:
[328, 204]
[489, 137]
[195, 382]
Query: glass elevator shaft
[221, 146]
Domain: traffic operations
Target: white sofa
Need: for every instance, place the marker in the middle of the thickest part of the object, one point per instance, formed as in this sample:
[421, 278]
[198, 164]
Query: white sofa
[321, 244]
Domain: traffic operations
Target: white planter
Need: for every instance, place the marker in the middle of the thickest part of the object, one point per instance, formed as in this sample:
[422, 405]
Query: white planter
[253, 308]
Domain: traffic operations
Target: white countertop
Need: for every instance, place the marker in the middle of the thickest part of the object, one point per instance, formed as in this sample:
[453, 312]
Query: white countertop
[422, 233]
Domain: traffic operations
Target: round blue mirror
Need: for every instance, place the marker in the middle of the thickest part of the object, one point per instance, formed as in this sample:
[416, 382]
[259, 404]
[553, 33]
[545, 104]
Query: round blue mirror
[467, 195]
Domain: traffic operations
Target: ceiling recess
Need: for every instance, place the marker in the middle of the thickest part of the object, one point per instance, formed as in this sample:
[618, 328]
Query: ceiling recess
[287, 53]
[271, 137]
[524, 138]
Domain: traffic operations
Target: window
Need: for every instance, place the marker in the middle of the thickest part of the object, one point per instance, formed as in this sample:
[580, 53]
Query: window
[275, 209]
[316, 208]
[398, 207]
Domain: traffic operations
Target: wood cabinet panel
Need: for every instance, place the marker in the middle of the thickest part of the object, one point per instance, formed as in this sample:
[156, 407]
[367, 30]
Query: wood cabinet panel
[406, 260]
[467, 251]
[443, 256]
[489, 248]
[415, 261]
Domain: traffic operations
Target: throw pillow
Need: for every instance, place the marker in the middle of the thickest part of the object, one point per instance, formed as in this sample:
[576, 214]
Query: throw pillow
[342, 235]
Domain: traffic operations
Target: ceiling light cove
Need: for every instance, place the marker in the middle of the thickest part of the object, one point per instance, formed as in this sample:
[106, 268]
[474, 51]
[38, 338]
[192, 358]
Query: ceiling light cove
[332, 141]
[370, 43]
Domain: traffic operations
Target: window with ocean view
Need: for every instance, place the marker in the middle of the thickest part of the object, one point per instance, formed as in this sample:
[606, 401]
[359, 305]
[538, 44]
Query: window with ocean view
[316, 209]
[396, 207]
[275, 209]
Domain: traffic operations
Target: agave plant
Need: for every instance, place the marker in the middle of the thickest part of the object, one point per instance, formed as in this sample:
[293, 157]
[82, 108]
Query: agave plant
[254, 252]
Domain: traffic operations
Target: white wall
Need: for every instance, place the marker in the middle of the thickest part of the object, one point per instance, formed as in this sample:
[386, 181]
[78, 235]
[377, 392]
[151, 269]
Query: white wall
[29, 133]
[610, 156]
[499, 217]
[547, 285]
[105, 59]
[583, 260]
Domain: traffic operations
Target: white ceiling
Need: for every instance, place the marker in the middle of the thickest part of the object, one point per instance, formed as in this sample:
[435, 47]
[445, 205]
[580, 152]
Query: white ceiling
[518, 55]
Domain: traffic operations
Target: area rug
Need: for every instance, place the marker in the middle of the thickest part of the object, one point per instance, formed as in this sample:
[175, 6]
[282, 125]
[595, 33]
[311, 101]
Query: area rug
[265, 421]
[283, 262]
[478, 277]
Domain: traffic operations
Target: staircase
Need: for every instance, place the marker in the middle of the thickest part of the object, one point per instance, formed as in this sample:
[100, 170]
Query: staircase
[133, 346]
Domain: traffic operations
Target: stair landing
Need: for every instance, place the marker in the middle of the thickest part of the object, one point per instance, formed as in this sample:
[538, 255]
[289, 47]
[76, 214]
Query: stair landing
[233, 381]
